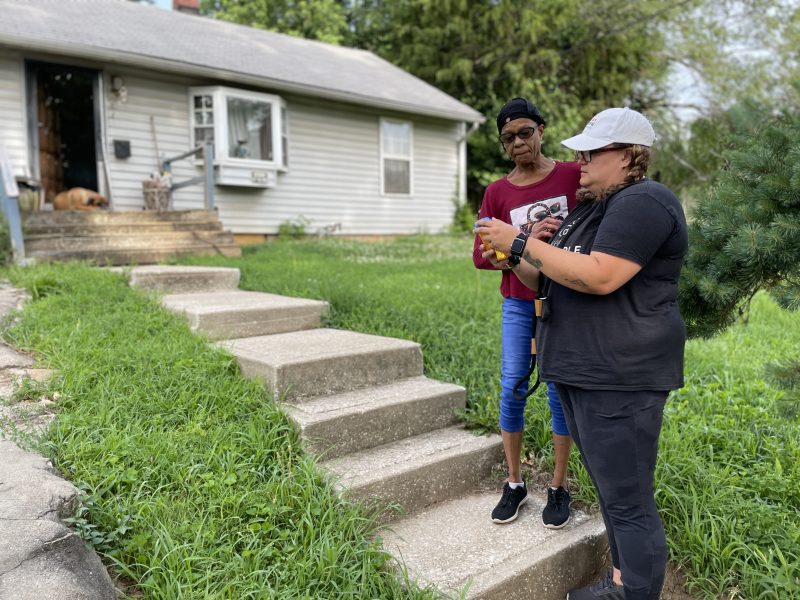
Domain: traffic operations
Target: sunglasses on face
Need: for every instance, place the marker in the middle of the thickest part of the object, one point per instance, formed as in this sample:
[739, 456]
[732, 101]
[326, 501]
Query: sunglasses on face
[523, 134]
[586, 155]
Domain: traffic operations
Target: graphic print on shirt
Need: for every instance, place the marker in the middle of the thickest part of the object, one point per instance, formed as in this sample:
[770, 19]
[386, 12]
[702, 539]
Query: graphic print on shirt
[524, 217]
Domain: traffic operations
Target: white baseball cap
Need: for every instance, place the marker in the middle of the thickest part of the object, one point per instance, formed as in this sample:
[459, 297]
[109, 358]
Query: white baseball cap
[613, 126]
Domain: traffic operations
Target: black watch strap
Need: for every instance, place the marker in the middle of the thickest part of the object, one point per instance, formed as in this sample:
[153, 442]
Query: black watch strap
[518, 247]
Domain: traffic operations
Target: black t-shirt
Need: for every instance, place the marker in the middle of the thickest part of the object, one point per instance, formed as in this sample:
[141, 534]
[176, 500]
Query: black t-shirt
[633, 338]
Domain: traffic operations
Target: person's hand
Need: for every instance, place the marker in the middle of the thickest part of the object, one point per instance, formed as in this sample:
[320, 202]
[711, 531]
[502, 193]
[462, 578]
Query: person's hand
[498, 234]
[545, 229]
[492, 258]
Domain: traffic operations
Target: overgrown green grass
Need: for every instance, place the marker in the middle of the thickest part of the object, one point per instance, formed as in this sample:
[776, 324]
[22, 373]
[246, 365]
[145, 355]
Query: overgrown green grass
[198, 488]
[195, 483]
[729, 470]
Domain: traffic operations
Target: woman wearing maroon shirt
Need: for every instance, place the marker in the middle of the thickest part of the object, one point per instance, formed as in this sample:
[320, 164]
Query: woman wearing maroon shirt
[533, 197]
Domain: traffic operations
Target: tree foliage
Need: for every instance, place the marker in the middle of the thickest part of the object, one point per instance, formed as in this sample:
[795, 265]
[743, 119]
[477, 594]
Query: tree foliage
[322, 20]
[745, 235]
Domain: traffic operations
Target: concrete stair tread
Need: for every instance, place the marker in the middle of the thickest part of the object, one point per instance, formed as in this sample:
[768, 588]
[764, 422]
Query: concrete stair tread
[358, 401]
[238, 301]
[455, 542]
[369, 467]
[318, 362]
[305, 346]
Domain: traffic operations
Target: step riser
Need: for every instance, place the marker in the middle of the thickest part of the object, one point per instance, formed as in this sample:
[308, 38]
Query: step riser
[334, 375]
[429, 484]
[41, 232]
[179, 282]
[136, 257]
[552, 577]
[107, 216]
[335, 438]
[228, 326]
[122, 242]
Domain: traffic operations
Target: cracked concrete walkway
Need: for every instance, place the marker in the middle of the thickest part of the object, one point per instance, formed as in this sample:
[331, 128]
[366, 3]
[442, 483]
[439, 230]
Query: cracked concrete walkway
[40, 557]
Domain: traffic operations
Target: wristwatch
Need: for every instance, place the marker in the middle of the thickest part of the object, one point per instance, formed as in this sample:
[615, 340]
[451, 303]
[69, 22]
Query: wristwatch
[517, 248]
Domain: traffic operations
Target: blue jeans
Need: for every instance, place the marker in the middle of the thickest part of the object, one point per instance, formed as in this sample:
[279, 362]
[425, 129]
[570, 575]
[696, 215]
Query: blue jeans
[517, 334]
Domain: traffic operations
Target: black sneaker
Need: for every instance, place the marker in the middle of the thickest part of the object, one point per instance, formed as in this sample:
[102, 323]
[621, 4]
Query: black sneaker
[605, 589]
[508, 507]
[556, 514]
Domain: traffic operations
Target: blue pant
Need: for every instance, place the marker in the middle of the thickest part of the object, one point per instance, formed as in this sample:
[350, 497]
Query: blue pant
[517, 334]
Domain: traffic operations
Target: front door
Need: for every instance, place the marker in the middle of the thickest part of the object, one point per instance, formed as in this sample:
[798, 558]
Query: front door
[65, 130]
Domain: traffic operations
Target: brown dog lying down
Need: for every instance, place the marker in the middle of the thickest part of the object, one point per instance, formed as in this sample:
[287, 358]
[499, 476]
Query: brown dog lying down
[79, 199]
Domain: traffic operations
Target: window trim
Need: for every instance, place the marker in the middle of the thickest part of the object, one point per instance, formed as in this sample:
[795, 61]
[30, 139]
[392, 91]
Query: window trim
[219, 96]
[383, 156]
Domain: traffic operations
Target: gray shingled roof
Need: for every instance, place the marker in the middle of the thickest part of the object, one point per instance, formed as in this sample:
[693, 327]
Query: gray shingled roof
[141, 35]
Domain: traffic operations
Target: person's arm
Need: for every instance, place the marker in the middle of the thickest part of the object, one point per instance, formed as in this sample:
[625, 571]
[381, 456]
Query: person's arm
[594, 273]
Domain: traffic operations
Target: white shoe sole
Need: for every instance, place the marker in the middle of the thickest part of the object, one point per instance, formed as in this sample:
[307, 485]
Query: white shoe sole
[548, 526]
[515, 515]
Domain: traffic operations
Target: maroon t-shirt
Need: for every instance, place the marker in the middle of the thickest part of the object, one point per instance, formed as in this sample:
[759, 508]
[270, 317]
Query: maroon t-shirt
[522, 206]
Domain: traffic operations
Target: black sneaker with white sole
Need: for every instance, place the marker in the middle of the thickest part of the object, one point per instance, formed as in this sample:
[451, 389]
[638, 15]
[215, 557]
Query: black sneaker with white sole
[556, 514]
[605, 589]
[508, 507]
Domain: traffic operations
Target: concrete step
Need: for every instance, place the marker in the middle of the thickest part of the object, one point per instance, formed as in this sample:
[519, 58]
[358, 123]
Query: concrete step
[332, 426]
[418, 471]
[232, 314]
[175, 279]
[61, 217]
[55, 243]
[138, 256]
[320, 362]
[455, 544]
[42, 231]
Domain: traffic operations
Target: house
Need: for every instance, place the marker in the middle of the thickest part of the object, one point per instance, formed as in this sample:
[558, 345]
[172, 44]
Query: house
[95, 93]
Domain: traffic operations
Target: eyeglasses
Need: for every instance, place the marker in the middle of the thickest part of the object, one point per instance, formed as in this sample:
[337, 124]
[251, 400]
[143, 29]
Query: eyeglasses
[523, 134]
[586, 155]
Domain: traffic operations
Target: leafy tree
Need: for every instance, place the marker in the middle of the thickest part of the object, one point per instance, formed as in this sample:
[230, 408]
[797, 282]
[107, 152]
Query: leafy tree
[322, 20]
[745, 235]
[571, 57]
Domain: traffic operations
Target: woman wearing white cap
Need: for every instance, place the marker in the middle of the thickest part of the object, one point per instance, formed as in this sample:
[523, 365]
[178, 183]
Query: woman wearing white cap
[611, 336]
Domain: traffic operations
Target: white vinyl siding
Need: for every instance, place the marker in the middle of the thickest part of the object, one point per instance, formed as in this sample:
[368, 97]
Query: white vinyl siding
[165, 101]
[334, 177]
[334, 153]
[13, 123]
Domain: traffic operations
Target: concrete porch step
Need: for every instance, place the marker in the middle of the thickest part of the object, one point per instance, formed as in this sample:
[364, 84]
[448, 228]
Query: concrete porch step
[157, 240]
[45, 230]
[418, 471]
[232, 314]
[176, 279]
[138, 256]
[320, 362]
[455, 544]
[332, 426]
[61, 217]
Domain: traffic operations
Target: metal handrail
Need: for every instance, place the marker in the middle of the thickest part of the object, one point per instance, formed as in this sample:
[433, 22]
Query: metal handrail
[207, 178]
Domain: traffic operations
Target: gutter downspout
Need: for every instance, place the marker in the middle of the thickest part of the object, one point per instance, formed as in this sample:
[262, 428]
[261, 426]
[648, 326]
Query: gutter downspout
[461, 191]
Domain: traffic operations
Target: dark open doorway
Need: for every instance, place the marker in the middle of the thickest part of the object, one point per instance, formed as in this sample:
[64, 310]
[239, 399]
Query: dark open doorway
[64, 133]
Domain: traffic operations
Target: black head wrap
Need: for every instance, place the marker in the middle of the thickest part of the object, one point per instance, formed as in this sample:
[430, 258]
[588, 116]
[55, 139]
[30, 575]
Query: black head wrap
[518, 108]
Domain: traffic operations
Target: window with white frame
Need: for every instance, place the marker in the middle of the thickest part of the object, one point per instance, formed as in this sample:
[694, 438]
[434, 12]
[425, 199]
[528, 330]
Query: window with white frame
[396, 144]
[249, 132]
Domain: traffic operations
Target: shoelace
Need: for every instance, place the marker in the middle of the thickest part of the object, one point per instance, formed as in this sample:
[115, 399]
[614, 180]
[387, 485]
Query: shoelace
[557, 497]
[506, 498]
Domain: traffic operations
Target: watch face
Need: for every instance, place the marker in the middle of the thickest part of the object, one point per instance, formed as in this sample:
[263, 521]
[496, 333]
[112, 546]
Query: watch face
[518, 245]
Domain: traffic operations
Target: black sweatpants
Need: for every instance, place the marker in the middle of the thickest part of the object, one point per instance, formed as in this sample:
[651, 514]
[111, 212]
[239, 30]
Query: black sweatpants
[617, 435]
